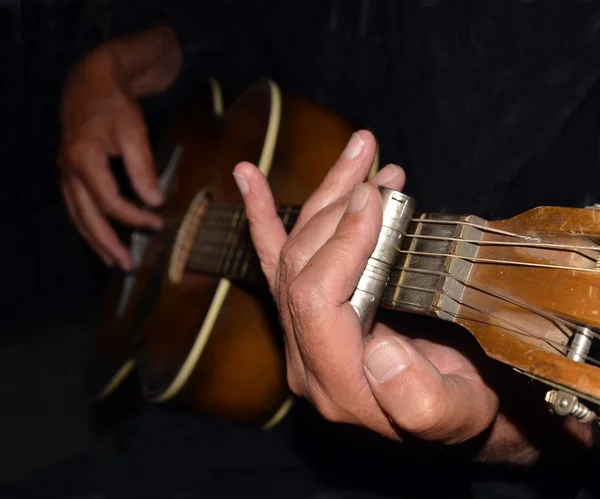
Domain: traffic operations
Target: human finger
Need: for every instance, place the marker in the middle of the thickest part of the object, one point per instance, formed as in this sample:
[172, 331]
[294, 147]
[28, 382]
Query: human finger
[449, 408]
[132, 137]
[351, 168]
[91, 166]
[265, 226]
[326, 326]
[98, 227]
[302, 246]
[80, 226]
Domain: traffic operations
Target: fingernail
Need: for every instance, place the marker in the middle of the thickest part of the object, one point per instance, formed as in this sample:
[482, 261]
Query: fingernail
[386, 360]
[154, 196]
[354, 146]
[387, 174]
[241, 182]
[358, 198]
[126, 266]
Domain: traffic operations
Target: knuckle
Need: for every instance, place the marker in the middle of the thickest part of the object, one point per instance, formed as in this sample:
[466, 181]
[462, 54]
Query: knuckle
[107, 203]
[268, 265]
[304, 300]
[136, 128]
[290, 259]
[73, 152]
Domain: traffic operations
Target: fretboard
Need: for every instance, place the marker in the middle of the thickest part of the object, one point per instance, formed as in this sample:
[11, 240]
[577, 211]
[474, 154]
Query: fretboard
[420, 269]
[223, 248]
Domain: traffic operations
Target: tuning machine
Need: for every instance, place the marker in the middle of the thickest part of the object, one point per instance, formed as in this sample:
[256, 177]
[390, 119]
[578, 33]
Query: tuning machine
[567, 404]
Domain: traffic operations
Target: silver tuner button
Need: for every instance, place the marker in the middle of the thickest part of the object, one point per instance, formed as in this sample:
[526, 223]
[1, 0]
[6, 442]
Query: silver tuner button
[566, 404]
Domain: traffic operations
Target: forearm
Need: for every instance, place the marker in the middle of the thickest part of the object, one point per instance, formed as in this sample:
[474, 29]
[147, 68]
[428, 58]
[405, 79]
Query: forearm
[525, 432]
[507, 442]
[150, 60]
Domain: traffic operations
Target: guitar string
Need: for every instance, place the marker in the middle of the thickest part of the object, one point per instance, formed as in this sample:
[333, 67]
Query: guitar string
[499, 296]
[499, 261]
[551, 246]
[230, 208]
[537, 244]
[475, 259]
[515, 302]
[219, 246]
[520, 329]
[485, 313]
[484, 290]
[558, 247]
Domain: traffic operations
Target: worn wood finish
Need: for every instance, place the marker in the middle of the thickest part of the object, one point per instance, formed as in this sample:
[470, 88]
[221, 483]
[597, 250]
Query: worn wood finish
[527, 332]
[234, 369]
[111, 355]
[240, 373]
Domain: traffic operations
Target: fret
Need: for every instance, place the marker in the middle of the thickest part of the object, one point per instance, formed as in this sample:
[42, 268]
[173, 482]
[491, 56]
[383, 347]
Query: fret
[290, 217]
[240, 247]
[230, 244]
[223, 245]
[407, 260]
[418, 282]
[421, 283]
[202, 251]
[409, 289]
[287, 216]
[237, 262]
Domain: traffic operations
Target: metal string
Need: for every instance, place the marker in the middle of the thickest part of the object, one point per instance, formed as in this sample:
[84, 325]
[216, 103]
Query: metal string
[532, 242]
[519, 329]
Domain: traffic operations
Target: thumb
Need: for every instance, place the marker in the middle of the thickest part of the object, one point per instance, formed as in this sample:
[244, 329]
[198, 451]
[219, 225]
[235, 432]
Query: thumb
[422, 401]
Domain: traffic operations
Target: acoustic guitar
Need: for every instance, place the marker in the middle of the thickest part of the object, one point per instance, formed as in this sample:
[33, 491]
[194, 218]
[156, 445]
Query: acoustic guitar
[193, 324]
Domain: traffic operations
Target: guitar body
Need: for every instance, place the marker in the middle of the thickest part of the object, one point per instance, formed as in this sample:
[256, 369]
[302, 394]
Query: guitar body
[199, 342]
[176, 331]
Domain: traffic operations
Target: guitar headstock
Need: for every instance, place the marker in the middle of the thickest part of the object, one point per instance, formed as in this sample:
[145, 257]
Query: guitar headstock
[528, 289]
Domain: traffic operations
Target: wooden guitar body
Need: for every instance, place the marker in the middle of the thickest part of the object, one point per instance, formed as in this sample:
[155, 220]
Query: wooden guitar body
[524, 287]
[196, 341]
[553, 291]
[195, 328]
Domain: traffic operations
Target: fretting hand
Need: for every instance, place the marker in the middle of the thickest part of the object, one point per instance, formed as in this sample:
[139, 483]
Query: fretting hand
[387, 382]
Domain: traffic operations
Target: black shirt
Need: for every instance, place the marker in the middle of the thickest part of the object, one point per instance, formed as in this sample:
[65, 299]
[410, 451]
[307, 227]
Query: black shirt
[491, 106]
[437, 82]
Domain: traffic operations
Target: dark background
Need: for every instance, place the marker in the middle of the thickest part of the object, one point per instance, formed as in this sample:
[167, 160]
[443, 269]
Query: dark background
[50, 294]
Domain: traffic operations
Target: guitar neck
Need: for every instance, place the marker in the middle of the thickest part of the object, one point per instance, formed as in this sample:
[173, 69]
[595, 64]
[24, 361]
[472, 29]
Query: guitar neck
[224, 248]
[223, 245]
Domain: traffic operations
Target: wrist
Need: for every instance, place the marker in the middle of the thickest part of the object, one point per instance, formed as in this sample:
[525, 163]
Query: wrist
[147, 62]
[555, 438]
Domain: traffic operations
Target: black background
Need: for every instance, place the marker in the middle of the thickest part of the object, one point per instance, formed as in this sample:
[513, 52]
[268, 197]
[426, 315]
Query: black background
[50, 293]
